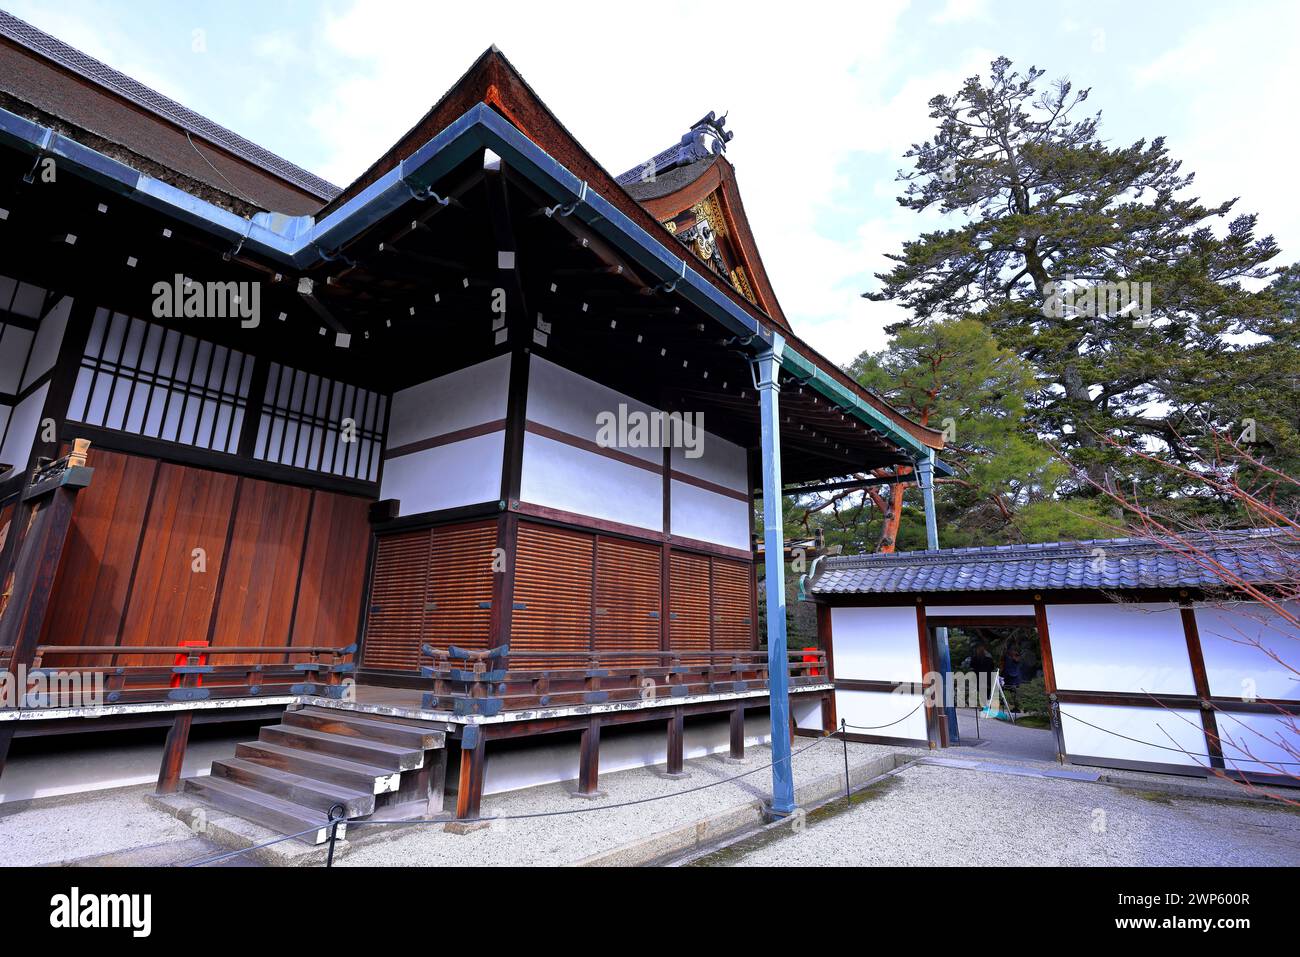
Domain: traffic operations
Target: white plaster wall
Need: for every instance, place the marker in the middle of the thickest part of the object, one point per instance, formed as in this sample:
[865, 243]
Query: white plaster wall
[1111, 647]
[446, 476]
[1235, 665]
[570, 403]
[720, 462]
[458, 400]
[876, 644]
[554, 758]
[561, 476]
[709, 517]
[1262, 743]
[1164, 732]
[458, 473]
[884, 713]
[807, 712]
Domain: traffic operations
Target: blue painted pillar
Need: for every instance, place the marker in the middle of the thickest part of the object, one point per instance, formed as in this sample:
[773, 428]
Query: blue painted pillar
[767, 378]
[925, 476]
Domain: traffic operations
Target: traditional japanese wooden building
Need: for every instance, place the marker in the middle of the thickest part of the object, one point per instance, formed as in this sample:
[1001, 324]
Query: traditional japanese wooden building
[1150, 660]
[345, 446]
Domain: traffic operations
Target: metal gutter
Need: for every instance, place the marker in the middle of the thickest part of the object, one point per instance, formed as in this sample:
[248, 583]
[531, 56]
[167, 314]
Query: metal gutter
[300, 242]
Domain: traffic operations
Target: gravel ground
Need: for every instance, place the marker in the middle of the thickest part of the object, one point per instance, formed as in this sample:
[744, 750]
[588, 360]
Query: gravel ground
[95, 823]
[951, 817]
[574, 836]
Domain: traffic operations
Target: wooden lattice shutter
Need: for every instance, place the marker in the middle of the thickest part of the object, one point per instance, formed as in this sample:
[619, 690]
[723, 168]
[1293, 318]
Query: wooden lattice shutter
[394, 622]
[733, 616]
[553, 592]
[458, 609]
[628, 595]
[688, 621]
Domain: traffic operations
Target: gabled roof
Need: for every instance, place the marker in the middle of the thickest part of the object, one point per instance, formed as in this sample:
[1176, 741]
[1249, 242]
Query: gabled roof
[683, 188]
[59, 80]
[156, 161]
[1261, 557]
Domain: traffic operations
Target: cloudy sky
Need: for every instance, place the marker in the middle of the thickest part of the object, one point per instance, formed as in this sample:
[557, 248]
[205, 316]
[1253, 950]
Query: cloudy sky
[823, 98]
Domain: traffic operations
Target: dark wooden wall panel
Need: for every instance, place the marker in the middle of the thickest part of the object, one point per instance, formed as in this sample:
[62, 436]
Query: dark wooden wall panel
[281, 562]
[260, 577]
[458, 609]
[395, 618]
[94, 581]
[628, 595]
[688, 625]
[333, 568]
[733, 613]
[171, 602]
[553, 591]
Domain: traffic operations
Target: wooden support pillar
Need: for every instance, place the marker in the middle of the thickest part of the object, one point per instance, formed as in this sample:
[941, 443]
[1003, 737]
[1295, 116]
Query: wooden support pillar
[676, 739]
[429, 784]
[173, 759]
[1049, 675]
[589, 760]
[830, 723]
[1195, 654]
[7, 730]
[738, 730]
[473, 754]
[47, 511]
[927, 668]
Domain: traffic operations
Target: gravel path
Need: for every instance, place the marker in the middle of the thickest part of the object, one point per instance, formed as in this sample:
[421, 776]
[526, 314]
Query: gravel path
[95, 823]
[946, 816]
[572, 837]
[1002, 738]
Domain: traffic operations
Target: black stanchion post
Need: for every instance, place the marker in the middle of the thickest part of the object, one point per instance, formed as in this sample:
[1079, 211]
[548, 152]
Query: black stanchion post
[337, 814]
[844, 739]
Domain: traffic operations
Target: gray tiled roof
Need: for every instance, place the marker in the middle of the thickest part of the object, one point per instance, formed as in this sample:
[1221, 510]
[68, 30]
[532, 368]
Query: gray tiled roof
[1258, 556]
[71, 58]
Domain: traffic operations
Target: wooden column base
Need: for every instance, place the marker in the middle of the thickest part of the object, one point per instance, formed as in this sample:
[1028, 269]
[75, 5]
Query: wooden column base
[178, 739]
[676, 739]
[469, 797]
[589, 760]
[6, 738]
[738, 731]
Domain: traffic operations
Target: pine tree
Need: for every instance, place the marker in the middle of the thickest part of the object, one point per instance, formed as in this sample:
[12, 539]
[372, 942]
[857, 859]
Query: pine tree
[1092, 263]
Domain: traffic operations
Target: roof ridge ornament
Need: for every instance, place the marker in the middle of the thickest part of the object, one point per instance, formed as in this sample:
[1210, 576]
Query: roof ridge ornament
[707, 137]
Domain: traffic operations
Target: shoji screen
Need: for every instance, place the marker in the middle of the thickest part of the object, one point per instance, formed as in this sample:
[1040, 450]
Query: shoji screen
[312, 422]
[140, 378]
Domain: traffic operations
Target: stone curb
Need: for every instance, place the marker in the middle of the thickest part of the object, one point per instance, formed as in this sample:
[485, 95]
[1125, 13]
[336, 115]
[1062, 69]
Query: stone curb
[736, 820]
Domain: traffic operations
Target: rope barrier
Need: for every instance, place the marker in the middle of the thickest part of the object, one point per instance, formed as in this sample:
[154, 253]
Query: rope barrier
[840, 732]
[877, 727]
[357, 823]
[1165, 747]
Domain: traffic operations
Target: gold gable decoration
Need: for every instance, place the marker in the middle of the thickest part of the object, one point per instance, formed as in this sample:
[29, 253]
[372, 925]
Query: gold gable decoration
[741, 282]
[708, 209]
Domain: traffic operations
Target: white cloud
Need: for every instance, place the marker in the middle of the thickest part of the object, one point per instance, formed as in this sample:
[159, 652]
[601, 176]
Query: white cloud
[961, 11]
[1227, 77]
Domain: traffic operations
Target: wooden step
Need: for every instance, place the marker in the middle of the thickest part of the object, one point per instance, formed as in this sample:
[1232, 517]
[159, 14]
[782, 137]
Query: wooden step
[296, 788]
[321, 767]
[277, 814]
[393, 757]
[367, 726]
